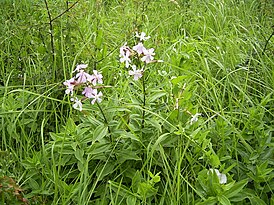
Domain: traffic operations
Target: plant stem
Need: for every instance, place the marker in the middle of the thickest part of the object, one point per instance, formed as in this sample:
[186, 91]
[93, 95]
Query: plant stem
[68, 8]
[267, 41]
[144, 99]
[105, 119]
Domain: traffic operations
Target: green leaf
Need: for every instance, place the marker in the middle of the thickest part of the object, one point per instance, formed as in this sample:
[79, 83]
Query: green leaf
[214, 160]
[99, 38]
[79, 153]
[156, 95]
[155, 178]
[65, 160]
[155, 124]
[70, 126]
[136, 180]
[175, 81]
[33, 184]
[54, 136]
[150, 174]
[121, 190]
[235, 189]
[100, 132]
[80, 166]
[104, 170]
[123, 155]
[272, 200]
[131, 200]
[130, 136]
[159, 140]
[146, 190]
[256, 201]
[209, 201]
[98, 148]
[223, 200]
[117, 109]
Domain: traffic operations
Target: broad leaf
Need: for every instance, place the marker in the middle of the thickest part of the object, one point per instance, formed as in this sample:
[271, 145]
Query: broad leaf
[100, 132]
[235, 189]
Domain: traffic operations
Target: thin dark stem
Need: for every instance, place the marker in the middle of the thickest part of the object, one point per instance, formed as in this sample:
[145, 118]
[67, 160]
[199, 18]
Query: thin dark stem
[61, 14]
[267, 41]
[105, 119]
[51, 27]
[51, 32]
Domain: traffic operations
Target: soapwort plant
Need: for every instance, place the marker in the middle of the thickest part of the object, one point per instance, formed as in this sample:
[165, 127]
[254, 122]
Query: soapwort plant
[129, 141]
[89, 83]
[136, 59]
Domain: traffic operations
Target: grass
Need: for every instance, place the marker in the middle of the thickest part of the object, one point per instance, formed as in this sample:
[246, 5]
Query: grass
[137, 146]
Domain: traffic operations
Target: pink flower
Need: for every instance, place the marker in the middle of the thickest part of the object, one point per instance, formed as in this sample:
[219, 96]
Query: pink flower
[96, 96]
[142, 36]
[139, 48]
[148, 55]
[80, 67]
[78, 104]
[83, 77]
[136, 73]
[70, 85]
[96, 78]
[88, 92]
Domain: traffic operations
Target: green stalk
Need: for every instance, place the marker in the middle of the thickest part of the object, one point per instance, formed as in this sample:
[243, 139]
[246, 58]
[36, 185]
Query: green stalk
[144, 100]
[105, 119]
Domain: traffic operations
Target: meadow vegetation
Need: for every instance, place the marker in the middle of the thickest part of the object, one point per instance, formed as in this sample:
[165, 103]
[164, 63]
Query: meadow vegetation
[195, 127]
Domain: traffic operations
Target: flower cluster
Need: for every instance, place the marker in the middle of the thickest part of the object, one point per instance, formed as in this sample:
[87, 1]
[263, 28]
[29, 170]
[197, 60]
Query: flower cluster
[86, 80]
[138, 51]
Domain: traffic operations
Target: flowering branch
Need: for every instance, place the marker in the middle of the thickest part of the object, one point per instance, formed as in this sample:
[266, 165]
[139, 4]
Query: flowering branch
[141, 56]
[90, 83]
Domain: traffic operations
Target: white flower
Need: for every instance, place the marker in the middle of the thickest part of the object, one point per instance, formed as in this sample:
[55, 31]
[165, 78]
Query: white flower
[136, 73]
[80, 67]
[139, 48]
[124, 49]
[148, 55]
[142, 36]
[78, 104]
[222, 177]
[96, 78]
[83, 77]
[88, 92]
[70, 85]
[126, 59]
[96, 96]
[194, 118]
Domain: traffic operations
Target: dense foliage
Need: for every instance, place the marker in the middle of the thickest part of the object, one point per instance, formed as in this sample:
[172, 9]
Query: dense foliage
[192, 123]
